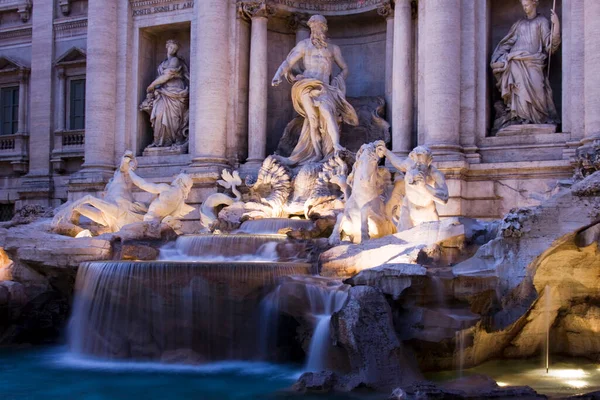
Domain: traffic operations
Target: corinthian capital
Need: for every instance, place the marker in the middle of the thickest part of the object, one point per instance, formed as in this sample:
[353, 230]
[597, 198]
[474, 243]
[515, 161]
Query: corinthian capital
[254, 9]
[386, 10]
[298, 21]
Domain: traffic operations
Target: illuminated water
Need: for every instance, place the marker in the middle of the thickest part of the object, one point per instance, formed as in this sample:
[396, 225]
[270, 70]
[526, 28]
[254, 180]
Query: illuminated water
[54, 374]
[566, 377]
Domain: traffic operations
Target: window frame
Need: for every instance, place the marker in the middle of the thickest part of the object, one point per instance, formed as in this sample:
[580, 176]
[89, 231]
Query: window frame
[68, 82]
[13, 85]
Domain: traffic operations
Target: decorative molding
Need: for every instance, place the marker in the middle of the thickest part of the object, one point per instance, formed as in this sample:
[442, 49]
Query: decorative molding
[329, 6]
[18, 35]
[22, 7]
[147, 7]
[10, 66]
[71, 57]
[70, 27]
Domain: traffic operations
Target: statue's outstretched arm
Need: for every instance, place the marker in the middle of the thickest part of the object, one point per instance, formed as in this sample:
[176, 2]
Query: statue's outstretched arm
[295, 55]
[146, 186]
[400, 163]
[339, 60]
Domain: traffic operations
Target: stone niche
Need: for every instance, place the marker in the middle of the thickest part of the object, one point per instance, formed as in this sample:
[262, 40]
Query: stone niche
[152, 52]
[361, 38]
[502, 15]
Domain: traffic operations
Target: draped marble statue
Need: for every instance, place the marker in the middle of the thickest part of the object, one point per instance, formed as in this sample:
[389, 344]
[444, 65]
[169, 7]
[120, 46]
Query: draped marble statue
[167, 100]
[519, 64]
[317, 97]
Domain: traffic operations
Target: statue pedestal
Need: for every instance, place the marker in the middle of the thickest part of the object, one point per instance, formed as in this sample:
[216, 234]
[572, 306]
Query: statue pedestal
[165, 151]
[526, 129]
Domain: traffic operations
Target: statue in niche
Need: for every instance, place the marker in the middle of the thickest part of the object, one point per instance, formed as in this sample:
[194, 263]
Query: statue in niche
[318, 98]
[423, 186]
[116, 207]
[167, 100]
[519, 64]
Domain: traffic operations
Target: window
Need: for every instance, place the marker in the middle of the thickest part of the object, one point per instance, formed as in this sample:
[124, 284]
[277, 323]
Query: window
[77, 100]
[9, 114]
[7, 211]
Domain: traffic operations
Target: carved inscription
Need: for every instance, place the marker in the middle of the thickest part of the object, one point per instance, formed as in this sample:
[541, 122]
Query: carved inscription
[330, 5]
[163, 8]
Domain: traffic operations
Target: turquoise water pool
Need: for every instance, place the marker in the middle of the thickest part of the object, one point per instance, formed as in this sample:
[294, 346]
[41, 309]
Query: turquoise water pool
[55, 374]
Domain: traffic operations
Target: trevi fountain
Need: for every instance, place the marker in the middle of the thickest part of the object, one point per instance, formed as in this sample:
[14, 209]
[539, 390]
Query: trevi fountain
[278, 199]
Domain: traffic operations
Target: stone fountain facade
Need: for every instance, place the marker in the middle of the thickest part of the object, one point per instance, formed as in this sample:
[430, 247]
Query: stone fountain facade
[426, 67]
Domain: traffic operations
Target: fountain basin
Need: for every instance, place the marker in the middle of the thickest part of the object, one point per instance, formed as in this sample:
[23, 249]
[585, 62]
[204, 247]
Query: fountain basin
[166, 310]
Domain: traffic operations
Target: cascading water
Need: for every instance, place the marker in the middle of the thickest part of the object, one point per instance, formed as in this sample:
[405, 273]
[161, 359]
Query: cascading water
[324, 301]
[460, 351]
[273, 225]
[438, 289]
[227, 247]
[547, 320]
[322, 296]
[202, 306]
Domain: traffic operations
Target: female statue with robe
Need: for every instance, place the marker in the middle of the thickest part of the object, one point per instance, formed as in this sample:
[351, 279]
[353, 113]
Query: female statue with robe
[519, 64]
[167, 101]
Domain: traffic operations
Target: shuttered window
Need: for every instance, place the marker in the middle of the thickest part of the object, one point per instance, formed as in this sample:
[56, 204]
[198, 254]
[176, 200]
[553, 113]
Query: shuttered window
[9, 105]
[77, 100]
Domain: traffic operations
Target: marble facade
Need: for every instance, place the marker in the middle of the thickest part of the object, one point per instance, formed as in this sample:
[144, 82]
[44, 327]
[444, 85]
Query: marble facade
[429, 59]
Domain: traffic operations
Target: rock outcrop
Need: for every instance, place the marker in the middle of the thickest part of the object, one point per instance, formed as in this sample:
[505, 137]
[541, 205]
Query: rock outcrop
[363, 330]
[433, 242]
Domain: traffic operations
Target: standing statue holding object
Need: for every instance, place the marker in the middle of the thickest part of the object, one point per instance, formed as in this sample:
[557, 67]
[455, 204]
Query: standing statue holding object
[519, 65]
[316, 96]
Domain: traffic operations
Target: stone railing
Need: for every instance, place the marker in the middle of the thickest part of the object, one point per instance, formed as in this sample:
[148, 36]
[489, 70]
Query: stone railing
[13, 149]
[67, 144]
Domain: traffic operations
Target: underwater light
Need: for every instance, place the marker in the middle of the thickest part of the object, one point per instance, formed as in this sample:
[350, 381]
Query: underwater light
[577, 383]
[567, 373]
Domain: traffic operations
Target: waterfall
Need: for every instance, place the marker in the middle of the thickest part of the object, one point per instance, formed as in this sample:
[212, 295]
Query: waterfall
[548, 322]
[324, 301]
[274, 225]
[228, 247]
[438, 288]
[313, 299]
[460, 351]
[187, 311]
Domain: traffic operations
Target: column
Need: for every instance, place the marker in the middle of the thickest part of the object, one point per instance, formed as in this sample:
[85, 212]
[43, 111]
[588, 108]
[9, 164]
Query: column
[62, 94]
[257, 107]
[23, 102]
[101, 91]
[210, 85]
[402, 78]
[592, 71]
[441, 75]
[387, 13]
[37, 184]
